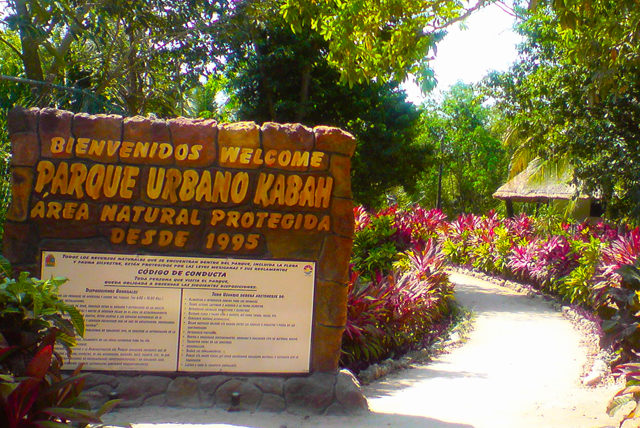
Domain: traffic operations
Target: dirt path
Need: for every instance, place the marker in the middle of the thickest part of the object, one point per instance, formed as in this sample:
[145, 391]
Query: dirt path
[520, 368]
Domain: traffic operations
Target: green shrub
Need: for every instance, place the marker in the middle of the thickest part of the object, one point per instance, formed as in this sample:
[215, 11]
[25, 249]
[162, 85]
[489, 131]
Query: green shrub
[577, 286]
[629, 394]
[374, 250]
[503, 242]
[42, 398]
[619, 308]
[456, 249]
[33, 316]
[482, 255]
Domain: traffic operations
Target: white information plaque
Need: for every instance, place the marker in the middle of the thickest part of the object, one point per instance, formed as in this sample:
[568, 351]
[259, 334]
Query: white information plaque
[157, 313]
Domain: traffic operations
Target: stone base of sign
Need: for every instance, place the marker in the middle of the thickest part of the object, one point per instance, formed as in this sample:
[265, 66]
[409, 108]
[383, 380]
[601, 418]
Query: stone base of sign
[336, 393]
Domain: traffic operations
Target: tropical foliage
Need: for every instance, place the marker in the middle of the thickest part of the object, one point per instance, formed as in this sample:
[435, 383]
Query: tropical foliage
[399, 293]
[132, 57]
[33, 390]
[629, 394]
[33, 316]
[274, 74]
[470, 163]
[399, 258]
[377, 40]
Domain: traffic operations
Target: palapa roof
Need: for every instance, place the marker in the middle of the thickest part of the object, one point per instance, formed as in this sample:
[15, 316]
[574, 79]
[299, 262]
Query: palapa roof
[540, 182]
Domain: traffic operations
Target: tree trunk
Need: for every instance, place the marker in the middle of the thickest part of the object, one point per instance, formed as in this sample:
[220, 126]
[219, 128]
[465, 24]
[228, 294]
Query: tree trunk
[65, 43]
[133, 97]
[63, 48]
[30, 55]
[304, 92]
[266, 87]
[439, 194]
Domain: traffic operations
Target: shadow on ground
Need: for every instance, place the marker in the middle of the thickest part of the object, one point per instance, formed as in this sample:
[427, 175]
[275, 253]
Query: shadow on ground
[163, 417]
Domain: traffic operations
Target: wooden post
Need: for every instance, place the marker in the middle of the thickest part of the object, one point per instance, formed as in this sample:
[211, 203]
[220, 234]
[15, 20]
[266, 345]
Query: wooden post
[509, 204]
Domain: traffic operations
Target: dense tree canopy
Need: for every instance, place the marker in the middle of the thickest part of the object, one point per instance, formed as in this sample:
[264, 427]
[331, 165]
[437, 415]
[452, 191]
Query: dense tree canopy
[274, 74]
[575, 92]
[338, 66]
[378, 39]
[140, 56]
[148, 56]
[472, 162]
[602, 36]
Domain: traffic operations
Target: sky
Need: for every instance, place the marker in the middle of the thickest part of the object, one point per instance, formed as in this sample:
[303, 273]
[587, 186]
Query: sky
[468, 54]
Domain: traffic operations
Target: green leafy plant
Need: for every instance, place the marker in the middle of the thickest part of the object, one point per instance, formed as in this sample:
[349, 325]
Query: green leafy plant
[456, 251]
[483, 256]
[577, 286]
[503, 242]
[619, 308]
[33, 391]
[374, 250]
[629, 394]
[392, 314]
[31, 312]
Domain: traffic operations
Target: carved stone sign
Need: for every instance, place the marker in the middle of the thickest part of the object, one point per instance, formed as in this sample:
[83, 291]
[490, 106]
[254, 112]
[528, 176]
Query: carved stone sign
[182, 192]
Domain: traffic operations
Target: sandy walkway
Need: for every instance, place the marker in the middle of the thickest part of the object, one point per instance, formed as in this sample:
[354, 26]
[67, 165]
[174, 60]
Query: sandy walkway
[520, 368]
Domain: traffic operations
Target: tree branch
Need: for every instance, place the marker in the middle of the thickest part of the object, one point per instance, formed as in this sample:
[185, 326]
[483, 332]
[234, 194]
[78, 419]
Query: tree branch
[65, 44]
[465, 15]
[508, 9]
[30, 55]
[63, 47]
[13, 48]
[104, 72]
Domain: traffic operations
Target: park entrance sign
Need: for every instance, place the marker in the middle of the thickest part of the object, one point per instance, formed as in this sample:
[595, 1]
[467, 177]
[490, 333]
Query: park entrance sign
[189, 245]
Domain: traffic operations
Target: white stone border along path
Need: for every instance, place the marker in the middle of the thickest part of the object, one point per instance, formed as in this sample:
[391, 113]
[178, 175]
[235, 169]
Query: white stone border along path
[520, 367]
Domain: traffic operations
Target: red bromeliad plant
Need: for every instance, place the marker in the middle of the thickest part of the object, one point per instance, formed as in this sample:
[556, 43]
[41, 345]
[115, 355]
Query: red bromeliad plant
[624, 250]
[520, 226]
[600, 230]
[523, 259]
[455, 244]
[363, 336]
[417, 225]
[554, 260]
[362, 218]
[381, 237]
[393, 313]
[42, 398]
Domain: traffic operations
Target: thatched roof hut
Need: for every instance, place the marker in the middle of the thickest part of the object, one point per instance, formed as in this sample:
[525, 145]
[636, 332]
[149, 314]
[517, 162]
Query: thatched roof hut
[543, 182]
[540, 182]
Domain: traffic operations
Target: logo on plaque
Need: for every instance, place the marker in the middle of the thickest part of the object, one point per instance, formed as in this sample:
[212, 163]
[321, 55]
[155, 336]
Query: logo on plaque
[50, 261]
